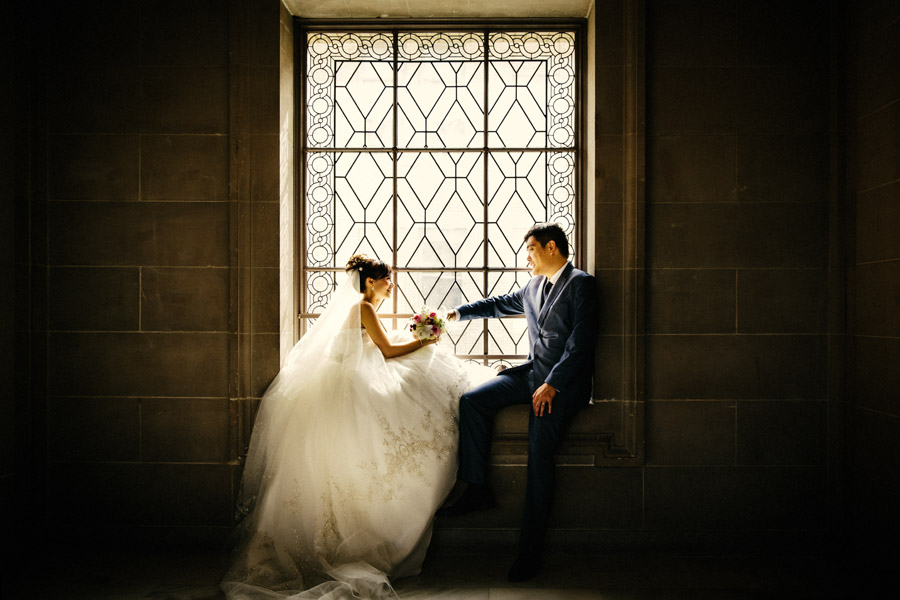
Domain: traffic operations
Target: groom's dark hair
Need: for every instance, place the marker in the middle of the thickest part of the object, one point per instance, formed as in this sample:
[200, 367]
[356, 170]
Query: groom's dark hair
[544, 232]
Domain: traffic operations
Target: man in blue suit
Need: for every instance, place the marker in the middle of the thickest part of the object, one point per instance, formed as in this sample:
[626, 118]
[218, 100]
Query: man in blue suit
[560, 305]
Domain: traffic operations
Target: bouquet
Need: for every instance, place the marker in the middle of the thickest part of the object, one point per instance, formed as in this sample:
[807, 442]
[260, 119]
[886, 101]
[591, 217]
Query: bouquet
[427, 324]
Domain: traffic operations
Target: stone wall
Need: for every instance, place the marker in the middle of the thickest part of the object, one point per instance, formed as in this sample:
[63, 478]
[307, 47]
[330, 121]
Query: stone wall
[155, 252]
[873, 420]
[737, 238]
[158, 132]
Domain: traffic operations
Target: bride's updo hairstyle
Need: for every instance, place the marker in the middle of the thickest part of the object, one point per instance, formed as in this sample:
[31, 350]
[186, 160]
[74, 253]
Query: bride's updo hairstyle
[367, 267]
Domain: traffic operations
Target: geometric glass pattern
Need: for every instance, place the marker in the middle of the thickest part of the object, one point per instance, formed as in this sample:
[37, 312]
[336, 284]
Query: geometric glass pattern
[436, 151]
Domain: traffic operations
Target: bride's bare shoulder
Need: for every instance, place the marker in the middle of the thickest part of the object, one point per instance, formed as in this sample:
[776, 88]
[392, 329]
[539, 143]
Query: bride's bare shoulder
[367, 312]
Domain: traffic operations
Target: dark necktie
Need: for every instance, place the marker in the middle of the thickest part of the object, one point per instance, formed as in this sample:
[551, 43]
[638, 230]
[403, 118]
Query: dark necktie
[545, 292]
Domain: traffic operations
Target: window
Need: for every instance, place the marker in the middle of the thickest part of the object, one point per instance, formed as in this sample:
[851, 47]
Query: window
[435, 151]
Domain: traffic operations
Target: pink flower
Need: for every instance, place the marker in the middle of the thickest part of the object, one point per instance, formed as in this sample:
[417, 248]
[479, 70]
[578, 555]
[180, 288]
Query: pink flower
[433, 315]
[418, 318]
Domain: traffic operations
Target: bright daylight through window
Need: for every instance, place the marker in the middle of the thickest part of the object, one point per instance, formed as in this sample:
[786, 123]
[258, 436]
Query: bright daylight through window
[435, 152]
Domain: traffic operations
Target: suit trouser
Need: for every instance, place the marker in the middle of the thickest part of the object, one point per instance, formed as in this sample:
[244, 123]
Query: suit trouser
[477, 409]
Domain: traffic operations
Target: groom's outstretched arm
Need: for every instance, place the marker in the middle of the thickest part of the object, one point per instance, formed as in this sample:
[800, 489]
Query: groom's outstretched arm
[496, 306]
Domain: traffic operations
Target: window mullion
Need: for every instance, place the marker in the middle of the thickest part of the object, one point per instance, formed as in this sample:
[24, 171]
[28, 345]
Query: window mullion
[395, 144]
[485, 188]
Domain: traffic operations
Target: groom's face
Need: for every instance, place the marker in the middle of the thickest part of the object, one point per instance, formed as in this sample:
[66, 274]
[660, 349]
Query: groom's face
[538, 257]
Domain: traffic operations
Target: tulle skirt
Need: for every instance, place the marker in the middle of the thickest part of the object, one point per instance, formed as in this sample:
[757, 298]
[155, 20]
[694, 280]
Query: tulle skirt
[345, 472]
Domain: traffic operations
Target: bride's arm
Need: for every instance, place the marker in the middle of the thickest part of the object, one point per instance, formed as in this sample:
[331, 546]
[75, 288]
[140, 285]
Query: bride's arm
[376, 331]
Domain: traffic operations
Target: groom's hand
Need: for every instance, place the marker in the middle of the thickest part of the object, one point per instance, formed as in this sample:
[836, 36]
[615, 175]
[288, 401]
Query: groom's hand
[542, 399]
[451, 314]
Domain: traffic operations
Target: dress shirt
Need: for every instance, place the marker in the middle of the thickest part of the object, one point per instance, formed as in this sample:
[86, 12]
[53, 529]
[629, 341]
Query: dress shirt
[555, 277]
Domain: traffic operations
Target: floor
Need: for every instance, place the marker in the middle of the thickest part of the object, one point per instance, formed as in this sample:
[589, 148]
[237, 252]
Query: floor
[453, 575]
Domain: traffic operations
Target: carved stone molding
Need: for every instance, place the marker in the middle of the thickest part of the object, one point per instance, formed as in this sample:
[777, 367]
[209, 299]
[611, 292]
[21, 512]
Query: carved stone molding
[619, 226]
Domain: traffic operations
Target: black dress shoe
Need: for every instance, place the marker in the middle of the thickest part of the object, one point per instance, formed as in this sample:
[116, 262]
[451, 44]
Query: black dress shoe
[476, 497]
[526, 566]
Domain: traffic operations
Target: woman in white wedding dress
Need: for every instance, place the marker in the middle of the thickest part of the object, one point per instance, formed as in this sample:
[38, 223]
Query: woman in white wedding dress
[353, 450]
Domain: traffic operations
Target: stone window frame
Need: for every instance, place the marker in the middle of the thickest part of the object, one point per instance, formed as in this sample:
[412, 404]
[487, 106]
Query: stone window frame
[611, 431]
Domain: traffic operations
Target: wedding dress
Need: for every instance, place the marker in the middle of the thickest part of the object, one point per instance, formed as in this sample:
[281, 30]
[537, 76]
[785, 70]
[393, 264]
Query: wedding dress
[350, 457]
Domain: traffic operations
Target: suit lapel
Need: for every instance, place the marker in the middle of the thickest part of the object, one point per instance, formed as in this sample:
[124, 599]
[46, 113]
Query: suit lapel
[554, 292]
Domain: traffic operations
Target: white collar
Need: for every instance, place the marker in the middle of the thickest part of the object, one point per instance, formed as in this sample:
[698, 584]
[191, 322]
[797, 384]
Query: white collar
[555, 277]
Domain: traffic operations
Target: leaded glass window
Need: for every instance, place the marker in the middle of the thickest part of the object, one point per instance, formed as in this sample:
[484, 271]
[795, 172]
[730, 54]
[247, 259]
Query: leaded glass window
[436, 151]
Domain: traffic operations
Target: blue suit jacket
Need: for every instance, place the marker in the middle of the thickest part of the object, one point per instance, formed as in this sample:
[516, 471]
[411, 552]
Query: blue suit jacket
[561, 334]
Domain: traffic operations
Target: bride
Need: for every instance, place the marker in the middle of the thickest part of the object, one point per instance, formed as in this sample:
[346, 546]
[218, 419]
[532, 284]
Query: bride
[352, 452]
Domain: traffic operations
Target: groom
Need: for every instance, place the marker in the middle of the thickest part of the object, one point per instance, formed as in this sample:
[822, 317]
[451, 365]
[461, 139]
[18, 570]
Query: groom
[560, 305]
